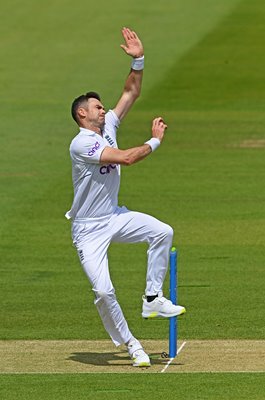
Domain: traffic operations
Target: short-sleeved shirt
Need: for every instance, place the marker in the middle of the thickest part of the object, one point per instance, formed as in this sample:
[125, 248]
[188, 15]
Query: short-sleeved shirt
[96, 186]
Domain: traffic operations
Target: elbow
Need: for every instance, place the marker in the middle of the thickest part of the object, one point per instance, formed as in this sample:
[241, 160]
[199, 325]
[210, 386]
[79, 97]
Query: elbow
[136, 94]
[128, 160]
[127, 163]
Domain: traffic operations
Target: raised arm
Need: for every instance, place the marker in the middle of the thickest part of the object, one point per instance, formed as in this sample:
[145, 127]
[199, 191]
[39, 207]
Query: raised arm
[132, 88]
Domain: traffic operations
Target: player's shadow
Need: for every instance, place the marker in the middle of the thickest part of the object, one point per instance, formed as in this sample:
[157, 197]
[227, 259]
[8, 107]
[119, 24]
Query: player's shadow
[92, 358]
[114, 359]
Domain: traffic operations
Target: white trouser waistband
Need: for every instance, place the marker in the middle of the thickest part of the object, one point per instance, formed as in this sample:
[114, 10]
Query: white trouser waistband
[91, 220]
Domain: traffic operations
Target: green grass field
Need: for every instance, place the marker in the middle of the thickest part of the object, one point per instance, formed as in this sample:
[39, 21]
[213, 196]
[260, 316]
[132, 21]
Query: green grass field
[204, 73]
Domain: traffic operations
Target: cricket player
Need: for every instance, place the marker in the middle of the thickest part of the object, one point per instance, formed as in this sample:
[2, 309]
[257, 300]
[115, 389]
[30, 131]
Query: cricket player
[97, 220]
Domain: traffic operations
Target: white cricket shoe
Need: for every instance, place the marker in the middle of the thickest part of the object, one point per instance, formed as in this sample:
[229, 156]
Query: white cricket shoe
[161, 307]
[137, 354]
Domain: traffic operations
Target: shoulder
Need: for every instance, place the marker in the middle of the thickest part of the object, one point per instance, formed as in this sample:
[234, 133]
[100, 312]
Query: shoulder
[85, 143]
[111, 119]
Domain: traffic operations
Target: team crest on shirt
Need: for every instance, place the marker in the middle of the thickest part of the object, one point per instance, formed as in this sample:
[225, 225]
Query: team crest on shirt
[110, 141]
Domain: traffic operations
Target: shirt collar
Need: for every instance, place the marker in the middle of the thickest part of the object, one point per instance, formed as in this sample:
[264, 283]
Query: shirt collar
[86, 131]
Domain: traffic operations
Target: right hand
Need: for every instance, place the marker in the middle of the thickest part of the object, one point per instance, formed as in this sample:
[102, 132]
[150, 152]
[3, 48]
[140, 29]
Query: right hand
[158, 128]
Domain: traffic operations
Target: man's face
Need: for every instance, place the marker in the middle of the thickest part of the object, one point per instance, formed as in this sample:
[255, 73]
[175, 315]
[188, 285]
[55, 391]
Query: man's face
[95, 113]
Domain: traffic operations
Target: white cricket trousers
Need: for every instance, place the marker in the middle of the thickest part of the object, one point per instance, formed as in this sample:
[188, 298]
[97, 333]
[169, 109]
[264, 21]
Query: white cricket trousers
[92, 238]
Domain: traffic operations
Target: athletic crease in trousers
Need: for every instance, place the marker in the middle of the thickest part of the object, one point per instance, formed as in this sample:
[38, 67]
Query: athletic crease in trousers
[92, 238]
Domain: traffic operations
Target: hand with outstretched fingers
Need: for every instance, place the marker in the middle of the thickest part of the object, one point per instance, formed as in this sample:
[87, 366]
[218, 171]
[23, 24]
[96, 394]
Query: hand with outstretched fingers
[133, 45]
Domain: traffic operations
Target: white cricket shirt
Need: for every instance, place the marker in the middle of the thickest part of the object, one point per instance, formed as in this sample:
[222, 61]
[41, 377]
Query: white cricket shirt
[96, 186]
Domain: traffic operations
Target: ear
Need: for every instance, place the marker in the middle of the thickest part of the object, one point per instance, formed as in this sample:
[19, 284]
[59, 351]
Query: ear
[81, 112]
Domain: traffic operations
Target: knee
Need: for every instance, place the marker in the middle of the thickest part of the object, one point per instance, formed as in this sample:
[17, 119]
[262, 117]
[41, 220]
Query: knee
[105, 300]
[163, 235]
[104, 296]
[167, 232]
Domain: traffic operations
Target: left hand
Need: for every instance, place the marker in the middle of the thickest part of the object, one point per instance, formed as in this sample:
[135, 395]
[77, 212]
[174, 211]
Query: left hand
[133, 45]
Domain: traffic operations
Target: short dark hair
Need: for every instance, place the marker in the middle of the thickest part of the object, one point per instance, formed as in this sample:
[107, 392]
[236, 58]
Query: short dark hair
[81, 99]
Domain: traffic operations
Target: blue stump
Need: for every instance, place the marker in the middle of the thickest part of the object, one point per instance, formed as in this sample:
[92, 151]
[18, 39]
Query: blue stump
[173, 322]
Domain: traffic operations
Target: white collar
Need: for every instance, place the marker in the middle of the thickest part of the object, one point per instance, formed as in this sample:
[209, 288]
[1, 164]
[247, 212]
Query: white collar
[87, 131]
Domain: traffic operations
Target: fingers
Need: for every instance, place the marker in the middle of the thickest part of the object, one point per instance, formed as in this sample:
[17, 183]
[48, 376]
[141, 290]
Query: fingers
[159, 123]
[158, 128]
[133, 45]
[125, 48]
[128, 34]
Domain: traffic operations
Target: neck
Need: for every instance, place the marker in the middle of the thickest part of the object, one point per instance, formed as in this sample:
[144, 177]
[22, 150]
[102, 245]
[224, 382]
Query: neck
[91, 127]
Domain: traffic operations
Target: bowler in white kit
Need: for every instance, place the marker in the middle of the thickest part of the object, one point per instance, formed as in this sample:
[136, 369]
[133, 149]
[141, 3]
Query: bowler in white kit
[97, 219]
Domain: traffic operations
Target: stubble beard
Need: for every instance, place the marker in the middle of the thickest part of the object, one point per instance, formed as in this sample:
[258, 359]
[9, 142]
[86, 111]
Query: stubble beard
[97, 125]
[102, 125]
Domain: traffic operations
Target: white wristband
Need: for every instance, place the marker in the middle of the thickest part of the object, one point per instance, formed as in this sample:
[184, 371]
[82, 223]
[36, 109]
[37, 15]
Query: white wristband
[138, 63]
[154, 143]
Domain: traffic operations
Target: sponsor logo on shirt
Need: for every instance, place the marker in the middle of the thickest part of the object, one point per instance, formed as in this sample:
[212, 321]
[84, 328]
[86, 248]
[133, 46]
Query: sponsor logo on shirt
[93, 149]
[106, 169]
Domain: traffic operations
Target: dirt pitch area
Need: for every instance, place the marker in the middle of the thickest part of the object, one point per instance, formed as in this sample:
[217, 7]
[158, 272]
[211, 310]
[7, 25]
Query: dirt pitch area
[84, 356]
